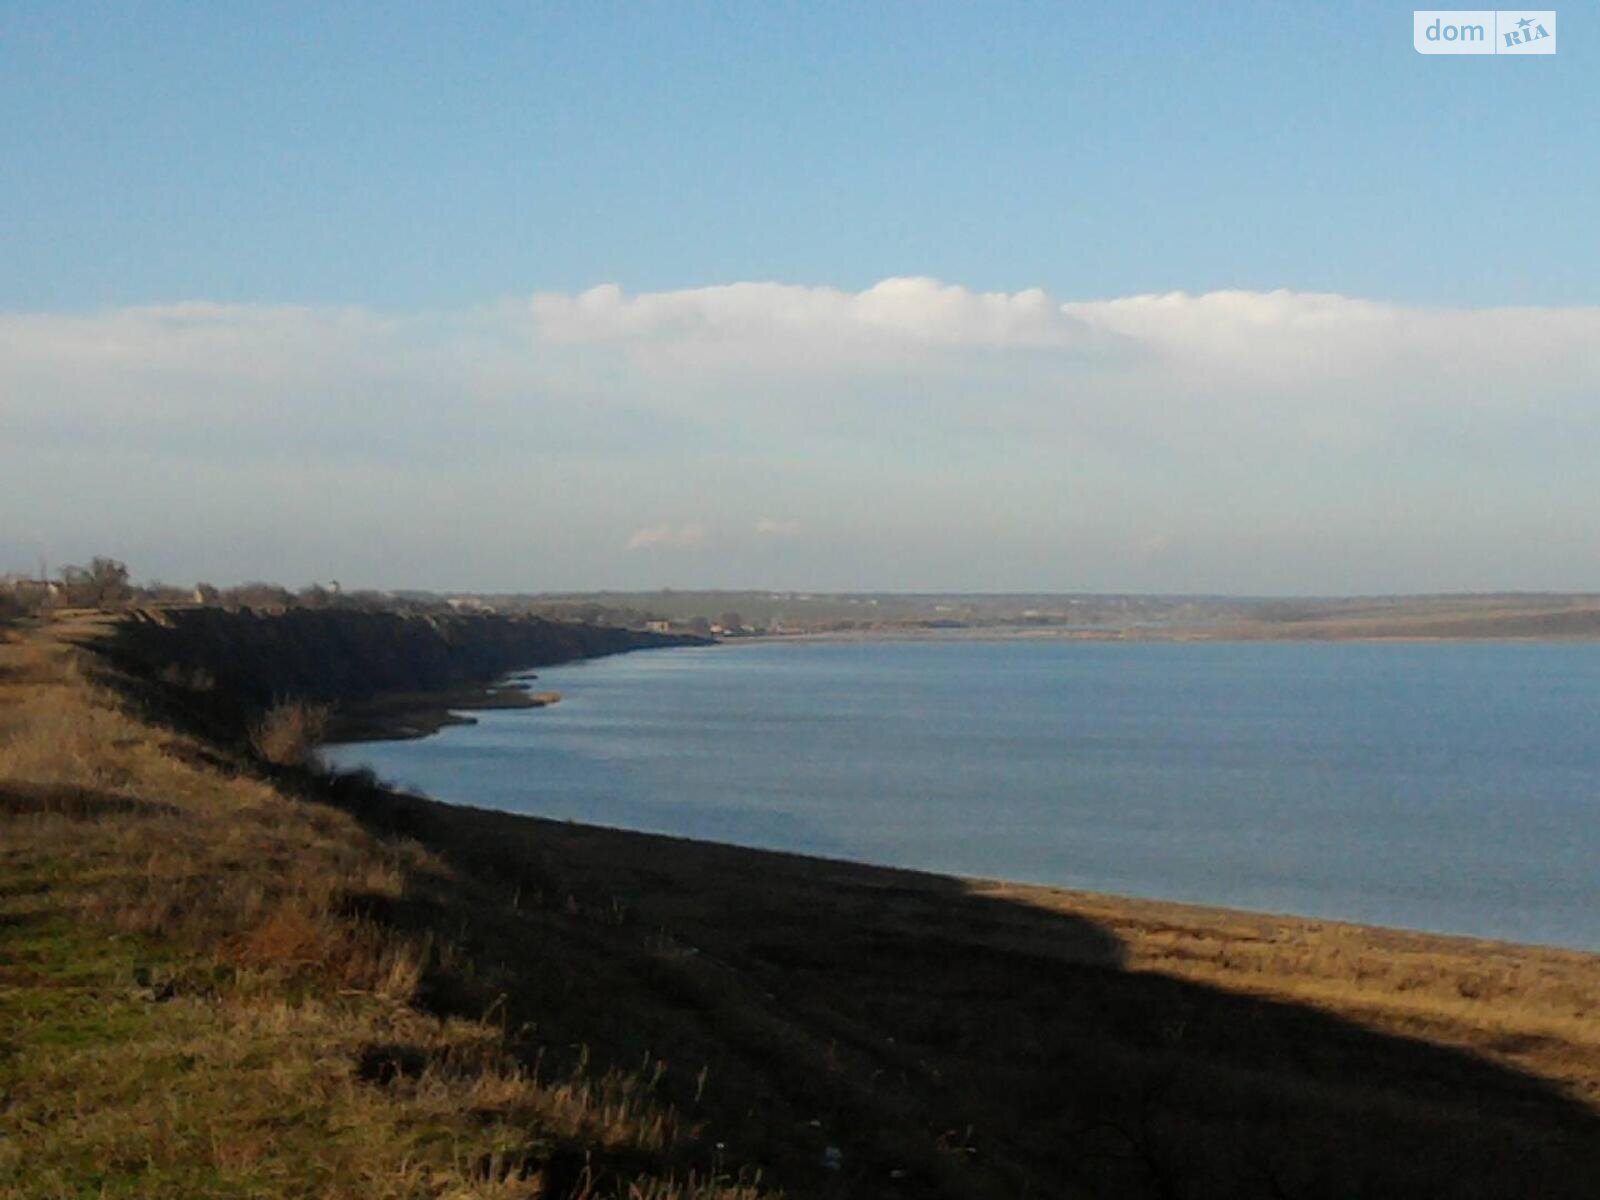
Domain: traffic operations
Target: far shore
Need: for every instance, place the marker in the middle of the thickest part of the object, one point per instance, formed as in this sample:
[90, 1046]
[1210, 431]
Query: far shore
[401, 716]
[1173, 637]
[1399, 632]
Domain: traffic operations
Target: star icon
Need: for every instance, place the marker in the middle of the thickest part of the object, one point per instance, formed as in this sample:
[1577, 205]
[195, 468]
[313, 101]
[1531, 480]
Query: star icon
[1524, 23]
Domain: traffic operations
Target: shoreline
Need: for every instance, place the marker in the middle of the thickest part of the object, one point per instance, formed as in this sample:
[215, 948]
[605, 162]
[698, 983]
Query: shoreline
[1163, 637]
[1197, 913]
[408, 716]
[1039, 892]
[1118, 908]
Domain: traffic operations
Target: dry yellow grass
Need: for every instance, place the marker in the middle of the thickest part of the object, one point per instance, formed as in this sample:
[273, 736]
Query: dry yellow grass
[1533, 1009]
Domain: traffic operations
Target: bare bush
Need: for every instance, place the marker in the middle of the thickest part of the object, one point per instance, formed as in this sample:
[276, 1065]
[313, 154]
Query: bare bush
[289, 733]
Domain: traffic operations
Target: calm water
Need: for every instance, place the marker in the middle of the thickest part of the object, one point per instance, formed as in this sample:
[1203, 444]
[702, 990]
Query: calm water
[1436, 786]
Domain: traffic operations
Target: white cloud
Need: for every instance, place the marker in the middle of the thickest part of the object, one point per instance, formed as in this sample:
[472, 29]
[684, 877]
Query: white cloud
[1283, 337]
[807, 330]
[914, 310]
[731, 352]
[913, 404]
[676, 537]
[1306, 339]
[768, 527]
[1223, 369]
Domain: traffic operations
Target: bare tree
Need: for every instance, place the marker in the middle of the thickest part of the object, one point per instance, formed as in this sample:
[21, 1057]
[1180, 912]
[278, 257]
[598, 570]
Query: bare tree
[102, 584]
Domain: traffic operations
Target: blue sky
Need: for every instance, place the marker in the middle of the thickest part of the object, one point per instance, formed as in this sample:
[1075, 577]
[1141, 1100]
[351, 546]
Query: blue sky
[353, 212]
[414, 155]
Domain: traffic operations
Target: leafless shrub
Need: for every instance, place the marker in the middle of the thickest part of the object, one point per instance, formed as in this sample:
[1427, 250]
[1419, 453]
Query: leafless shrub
[288, 734]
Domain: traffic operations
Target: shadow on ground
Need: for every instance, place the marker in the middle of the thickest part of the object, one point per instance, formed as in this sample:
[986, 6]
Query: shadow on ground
[75, 803]
[862, 1031]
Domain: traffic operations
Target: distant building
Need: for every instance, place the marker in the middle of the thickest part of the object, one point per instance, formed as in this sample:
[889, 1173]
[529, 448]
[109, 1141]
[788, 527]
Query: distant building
[25, 587]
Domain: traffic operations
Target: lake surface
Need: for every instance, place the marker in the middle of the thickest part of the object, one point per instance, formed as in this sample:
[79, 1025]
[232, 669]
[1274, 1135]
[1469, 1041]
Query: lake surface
[1441, 786]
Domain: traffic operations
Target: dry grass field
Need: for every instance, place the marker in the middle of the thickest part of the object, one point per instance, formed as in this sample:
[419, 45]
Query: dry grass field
[1421, 618]
[223, 976]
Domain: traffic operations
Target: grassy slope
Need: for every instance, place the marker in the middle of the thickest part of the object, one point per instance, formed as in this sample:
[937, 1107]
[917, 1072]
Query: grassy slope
[219, 980]
[192, 1002]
